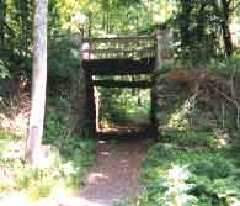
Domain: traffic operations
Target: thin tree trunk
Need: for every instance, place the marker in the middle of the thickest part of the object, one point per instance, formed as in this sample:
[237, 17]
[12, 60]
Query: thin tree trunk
[2, 21]
[232, 86]
[227, 39]
[107, 17]
[24, 22]
[39, 82]
[226, 28]
[186, 9]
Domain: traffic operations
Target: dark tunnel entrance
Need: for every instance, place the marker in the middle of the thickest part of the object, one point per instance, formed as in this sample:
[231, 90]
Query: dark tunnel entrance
[122, 105]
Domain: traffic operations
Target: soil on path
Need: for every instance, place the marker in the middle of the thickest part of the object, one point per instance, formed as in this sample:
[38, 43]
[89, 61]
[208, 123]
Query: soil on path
[116, 175]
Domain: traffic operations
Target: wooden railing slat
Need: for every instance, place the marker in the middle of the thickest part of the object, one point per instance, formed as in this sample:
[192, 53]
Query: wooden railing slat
[118, 39]
[113, 50]
[118, 47]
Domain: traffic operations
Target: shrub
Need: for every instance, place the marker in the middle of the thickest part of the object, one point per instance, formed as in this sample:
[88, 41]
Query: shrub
[4, 72]
[71, 156]
[212, 176]
[190, 138]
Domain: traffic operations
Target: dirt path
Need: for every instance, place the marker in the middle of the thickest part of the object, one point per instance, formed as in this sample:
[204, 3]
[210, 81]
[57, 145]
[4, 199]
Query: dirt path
[117, 172]
[115, 175]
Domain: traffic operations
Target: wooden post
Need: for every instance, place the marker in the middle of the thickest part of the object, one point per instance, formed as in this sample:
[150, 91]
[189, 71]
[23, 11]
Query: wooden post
[78, 93]
[153, 110]
[96, 103]
[39, 82]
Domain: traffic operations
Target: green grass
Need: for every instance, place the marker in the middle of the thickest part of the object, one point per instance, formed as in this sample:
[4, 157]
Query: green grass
[70, 155]
[190, 139]
[213, 177]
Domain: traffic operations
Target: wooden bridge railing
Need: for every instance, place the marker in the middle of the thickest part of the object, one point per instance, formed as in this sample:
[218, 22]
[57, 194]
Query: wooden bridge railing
[118, 48]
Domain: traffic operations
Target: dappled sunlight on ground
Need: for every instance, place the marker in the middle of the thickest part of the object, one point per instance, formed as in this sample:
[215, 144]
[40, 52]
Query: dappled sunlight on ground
[79, 201]
[58, 199]
[68, 201]
[15, 199]
[116, 174]
[121, 128]
[94, 178]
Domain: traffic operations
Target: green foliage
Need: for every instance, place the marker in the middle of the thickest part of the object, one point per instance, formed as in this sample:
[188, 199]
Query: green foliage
[212, 176]
[190, 138]
[20, 177]
[77, 152]
[227, 66]
[199, 21]
[124, 106]
[4, 72]
[70, 157]
[180, 112]
[174, 189]
[63, 57]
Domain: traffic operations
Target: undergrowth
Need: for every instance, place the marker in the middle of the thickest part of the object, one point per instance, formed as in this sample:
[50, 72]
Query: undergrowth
[69, 156]
[190, 139]
[209, 177]
[189, 169]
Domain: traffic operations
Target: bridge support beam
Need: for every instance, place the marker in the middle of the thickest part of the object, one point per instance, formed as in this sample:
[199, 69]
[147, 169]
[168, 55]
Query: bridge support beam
[80, 98]
[84, 101]
[91, 105]
[143, 84]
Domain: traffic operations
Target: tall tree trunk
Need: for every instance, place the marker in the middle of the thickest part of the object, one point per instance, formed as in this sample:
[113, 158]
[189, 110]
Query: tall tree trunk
[2, 22]
[200, 23]
[39, 82]
[104, 17]
[24, 26]
[226, 28]
[107, 17]
[185, 22]
[227, 39]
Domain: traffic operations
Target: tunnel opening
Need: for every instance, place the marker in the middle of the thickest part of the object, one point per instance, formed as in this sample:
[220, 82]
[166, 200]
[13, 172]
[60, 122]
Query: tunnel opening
[123, 104]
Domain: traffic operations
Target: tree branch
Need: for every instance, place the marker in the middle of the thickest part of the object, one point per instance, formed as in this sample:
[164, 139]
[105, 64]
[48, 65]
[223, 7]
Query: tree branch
[9, 29]
[235, 7]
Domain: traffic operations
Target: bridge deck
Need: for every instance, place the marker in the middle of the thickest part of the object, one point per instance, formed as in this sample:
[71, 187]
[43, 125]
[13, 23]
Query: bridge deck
[119, 55]
[119, 66]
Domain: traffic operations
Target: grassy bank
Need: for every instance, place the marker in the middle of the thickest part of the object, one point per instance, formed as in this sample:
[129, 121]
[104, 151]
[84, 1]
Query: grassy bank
[68, 159]
[192, 169]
